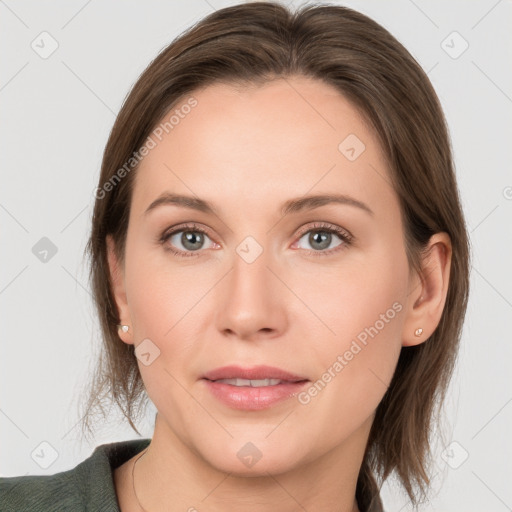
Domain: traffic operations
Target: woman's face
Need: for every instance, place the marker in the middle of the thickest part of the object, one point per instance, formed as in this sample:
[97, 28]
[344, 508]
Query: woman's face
[265, 284]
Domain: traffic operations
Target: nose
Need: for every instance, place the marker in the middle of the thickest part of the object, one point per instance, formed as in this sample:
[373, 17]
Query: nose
[251, 302]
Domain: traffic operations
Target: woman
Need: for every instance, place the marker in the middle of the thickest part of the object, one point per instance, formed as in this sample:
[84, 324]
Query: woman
[279, 258]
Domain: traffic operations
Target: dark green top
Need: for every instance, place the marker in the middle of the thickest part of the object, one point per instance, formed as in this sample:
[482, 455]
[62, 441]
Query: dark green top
[89, 486]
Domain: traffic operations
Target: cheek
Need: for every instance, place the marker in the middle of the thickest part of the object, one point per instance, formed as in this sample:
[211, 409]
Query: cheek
[365, 330]
[352, 298]
[356, 365]
[362, 308]
[164, 301]
[170, 305]
[161, 293]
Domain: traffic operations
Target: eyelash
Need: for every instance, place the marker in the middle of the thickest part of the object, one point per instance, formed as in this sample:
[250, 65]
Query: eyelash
[344, 235]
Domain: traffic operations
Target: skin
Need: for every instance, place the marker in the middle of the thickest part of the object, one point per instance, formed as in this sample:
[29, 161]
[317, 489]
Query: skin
[247, 151]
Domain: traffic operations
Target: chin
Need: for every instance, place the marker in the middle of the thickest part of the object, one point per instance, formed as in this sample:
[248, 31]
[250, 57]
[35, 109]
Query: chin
[246, 458]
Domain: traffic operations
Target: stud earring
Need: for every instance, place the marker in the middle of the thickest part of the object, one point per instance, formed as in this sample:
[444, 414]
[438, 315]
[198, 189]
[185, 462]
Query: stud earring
[123, 328]
[418, 331]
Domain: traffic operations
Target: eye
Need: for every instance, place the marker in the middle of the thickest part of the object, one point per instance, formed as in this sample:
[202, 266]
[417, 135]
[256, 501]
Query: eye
[320, 237]
[189, 239]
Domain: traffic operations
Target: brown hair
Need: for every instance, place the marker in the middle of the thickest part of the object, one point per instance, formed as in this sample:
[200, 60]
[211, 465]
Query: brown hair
[253, 43]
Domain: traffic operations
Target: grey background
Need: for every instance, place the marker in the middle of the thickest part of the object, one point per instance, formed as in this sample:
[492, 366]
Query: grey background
[56, 116]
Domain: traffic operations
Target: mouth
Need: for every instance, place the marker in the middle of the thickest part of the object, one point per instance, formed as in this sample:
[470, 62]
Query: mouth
[254, 383]
[259, 375]
[253, 388]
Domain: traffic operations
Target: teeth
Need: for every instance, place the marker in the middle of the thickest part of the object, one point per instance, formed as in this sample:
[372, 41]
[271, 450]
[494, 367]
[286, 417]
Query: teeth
[253, 383]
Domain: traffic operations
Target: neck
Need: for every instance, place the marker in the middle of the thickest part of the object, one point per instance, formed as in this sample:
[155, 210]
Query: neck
[170, 476]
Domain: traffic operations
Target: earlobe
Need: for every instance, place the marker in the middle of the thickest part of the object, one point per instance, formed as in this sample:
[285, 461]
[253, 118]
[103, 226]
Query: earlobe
[428, 293]
[118, 290]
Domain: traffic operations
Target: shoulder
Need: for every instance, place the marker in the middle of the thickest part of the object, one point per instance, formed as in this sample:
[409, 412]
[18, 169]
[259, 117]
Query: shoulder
[88, 486]
[40, 492]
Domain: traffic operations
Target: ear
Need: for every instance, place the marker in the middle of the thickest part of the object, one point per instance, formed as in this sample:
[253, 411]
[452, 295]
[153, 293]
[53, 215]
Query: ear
[118, 290]
[427, 293]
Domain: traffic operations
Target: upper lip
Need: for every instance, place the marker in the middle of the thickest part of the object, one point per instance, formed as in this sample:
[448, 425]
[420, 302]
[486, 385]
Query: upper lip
[253, 373]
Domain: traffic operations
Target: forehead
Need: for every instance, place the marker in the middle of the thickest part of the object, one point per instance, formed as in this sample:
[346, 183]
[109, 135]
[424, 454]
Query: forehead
[258, 143]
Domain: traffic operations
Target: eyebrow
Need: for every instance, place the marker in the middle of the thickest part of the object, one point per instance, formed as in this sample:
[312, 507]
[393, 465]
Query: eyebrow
[290, 206]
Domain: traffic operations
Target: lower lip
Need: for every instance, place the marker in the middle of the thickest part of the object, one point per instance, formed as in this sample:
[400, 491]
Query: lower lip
[253, 399]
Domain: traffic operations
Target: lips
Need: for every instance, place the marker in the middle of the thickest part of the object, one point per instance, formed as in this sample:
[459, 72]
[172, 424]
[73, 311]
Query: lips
[253, 389]
[254, 374]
